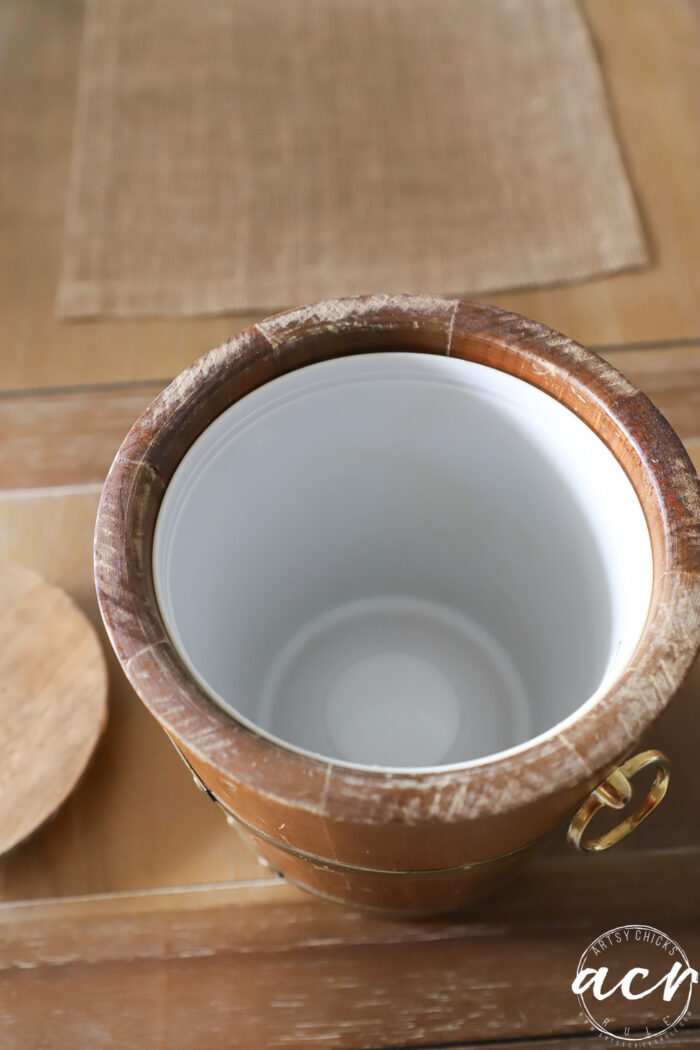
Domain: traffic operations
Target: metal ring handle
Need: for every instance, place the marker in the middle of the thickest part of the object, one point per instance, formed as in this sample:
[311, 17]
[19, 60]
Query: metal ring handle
[615, 792]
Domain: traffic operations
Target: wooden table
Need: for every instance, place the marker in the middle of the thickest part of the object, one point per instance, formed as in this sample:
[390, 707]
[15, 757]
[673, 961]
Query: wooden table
[136, 918]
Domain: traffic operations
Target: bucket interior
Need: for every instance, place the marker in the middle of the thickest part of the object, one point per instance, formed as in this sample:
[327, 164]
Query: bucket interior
[402, 560]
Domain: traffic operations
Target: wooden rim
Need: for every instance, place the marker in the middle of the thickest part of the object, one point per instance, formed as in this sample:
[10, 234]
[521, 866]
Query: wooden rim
[637, 434]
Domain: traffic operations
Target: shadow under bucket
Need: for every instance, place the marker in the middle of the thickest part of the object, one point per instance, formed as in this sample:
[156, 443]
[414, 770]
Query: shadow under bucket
[404, 579]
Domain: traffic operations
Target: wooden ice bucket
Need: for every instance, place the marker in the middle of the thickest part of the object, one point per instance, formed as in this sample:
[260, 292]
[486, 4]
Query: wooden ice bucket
[413, 598]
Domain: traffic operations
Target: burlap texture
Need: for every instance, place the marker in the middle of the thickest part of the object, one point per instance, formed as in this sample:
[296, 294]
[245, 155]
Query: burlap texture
[241, 154]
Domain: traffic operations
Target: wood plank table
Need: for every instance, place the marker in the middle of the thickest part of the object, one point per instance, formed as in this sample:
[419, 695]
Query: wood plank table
[136, 918]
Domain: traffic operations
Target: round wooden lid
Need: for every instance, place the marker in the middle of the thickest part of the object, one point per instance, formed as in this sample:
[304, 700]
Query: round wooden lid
[53, 699]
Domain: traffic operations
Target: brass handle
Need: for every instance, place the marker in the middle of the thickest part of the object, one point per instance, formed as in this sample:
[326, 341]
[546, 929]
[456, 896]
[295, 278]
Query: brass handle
[615, 792]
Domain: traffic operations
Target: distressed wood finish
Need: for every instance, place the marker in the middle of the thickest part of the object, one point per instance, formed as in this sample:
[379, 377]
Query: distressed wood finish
[53, 700]
[373, 819]
[135, 822]
[253, 966]
[68, 437]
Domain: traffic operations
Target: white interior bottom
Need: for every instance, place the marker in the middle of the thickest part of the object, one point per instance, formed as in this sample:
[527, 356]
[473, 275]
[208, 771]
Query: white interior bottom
[402, 560]
[394, 681]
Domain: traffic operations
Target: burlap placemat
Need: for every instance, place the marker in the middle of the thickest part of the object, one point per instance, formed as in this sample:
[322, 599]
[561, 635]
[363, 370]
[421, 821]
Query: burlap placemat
[236, 154]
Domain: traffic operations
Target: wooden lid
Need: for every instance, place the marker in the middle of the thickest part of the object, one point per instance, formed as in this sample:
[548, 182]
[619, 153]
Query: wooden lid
[53, 700]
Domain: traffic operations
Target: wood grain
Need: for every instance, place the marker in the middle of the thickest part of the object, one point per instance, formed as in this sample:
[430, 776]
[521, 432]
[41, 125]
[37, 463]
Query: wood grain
[651, 69]
[135, 820]
[686, 1040]
[70, 436]
[66, 437]
[53, 700]
[112, 834]
[261, 965]
[649, 56]
[396, 839]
